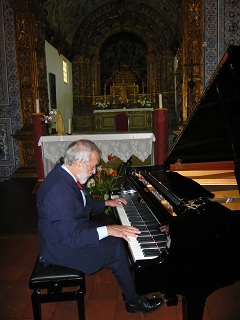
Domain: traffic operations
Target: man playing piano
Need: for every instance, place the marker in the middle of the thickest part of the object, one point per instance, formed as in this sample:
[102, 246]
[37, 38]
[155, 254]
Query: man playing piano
[69, 238]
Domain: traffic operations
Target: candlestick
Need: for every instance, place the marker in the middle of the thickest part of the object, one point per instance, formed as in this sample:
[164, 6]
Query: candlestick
[69, 126]
[160, 101]
[105, 91]
[37, 106]
[93, 96]
[143, 84]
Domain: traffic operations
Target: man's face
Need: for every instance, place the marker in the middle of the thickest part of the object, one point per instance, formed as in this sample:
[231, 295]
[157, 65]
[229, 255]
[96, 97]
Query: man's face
[88, 169]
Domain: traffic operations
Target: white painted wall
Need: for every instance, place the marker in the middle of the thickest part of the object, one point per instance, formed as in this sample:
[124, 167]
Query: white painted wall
[64, 92]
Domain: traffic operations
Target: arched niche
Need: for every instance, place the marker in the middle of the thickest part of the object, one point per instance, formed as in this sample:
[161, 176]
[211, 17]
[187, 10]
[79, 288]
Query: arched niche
[123, 58]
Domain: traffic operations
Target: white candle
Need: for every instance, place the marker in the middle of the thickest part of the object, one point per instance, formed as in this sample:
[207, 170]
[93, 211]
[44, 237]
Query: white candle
[160, 101]
[37, 106]
[69, 126]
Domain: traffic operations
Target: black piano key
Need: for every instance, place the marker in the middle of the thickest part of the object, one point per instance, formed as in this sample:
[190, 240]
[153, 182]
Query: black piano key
[141, 237]
[152, 236]
[151, 252]
[148, 245]
[148, 226]
[151, 240]
[141, 228]
[146, 231]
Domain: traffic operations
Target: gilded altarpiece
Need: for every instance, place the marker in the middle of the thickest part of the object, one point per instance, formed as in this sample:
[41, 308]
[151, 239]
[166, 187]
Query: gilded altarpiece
[87, 91]
[30, 48]
[191, 55]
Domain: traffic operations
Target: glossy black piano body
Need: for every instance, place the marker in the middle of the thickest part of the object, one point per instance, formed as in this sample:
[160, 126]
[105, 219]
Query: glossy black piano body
[204, 251]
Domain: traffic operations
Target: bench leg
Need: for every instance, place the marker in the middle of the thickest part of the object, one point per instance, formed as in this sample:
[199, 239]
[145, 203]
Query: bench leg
[36, 306]
[81, 306]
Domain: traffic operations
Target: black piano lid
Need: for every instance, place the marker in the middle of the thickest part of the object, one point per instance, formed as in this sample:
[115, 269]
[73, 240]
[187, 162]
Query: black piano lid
[212, 132]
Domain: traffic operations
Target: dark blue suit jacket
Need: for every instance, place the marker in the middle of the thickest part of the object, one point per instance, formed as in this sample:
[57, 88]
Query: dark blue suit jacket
[66, 235]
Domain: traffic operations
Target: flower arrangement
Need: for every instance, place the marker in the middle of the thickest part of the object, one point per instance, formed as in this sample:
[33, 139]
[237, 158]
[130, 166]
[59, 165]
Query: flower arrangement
[47, 118]
[106, 178]
[102, 104]
[145, 102]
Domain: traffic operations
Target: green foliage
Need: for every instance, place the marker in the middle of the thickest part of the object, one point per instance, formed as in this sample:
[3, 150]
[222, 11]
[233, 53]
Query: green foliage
[107, 178]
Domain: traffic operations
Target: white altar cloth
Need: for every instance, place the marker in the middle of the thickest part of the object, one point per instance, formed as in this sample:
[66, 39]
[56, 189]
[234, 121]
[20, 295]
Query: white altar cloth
[121, 145]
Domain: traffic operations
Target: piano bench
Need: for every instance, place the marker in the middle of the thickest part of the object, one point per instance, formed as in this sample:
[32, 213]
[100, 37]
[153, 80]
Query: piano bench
[48, 282]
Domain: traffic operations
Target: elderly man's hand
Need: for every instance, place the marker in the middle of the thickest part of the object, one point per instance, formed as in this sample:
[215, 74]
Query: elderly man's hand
[118, 202]
[123, 231]
[164, 228]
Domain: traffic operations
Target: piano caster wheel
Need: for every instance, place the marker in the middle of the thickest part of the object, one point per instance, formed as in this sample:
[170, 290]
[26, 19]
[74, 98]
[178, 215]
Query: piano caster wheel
[171, 299]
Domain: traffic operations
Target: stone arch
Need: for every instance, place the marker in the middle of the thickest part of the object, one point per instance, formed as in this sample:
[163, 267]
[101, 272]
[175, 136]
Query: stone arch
[142, 21]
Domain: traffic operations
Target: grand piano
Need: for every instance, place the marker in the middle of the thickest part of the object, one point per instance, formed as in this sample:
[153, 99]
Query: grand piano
[196, 194]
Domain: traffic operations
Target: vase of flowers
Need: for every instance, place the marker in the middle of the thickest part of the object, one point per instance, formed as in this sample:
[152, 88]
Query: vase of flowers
[48, 120]
[123, 103]
[107, 177]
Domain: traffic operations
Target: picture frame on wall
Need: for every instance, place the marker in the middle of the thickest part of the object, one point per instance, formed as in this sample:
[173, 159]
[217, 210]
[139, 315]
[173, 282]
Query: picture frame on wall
[52, 93]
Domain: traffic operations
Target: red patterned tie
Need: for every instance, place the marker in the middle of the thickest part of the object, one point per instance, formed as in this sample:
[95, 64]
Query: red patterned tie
[79, 185]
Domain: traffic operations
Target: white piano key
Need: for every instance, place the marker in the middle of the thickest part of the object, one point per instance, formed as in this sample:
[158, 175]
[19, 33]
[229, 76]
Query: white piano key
[134, 246]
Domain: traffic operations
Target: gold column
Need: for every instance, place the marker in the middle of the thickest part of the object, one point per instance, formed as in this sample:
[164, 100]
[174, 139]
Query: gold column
[30, 49]
[192, 49]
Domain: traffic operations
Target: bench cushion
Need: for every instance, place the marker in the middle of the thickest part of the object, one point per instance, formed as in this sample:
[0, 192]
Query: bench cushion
[44, 277]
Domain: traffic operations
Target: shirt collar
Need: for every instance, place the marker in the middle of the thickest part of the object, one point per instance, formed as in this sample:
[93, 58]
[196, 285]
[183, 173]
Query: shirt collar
[66, 169]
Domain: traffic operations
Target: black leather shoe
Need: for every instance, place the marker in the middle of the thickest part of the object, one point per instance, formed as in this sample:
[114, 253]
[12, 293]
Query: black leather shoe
[144, 305]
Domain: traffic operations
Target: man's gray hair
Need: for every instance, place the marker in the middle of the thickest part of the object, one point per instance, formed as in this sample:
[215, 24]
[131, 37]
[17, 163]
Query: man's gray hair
[80, 150]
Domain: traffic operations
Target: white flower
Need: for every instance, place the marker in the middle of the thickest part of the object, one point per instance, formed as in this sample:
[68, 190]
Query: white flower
[48, 118]
[110, 170]
[103, 105]
[91, 183]
[106, 196]
[99, 168]
[145, 102]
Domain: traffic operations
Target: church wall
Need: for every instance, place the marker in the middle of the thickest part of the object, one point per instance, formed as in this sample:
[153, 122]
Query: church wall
[221, 29]
[10, 119]
[64, 94]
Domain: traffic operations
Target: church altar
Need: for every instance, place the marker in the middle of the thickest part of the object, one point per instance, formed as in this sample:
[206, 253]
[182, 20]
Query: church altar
[121, 145]
[140, 119]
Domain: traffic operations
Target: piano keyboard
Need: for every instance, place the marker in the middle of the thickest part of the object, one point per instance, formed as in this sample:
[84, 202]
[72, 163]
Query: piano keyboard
[151, 243]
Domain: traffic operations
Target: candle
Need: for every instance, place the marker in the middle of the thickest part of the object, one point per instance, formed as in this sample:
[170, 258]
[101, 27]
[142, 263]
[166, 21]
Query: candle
[69, 126]
[160, 101]
[37, 106]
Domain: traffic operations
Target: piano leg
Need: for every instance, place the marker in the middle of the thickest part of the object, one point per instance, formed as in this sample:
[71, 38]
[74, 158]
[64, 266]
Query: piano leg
[193, 307]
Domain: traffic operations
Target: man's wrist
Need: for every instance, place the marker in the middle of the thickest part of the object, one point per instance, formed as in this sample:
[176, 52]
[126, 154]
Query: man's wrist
[107, 203]
[108, 230]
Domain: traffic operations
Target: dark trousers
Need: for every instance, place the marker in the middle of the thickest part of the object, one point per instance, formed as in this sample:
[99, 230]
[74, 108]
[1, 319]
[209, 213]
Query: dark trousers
[117, 260]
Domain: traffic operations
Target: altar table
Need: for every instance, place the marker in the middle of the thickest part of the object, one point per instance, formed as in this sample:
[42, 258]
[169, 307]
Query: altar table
[140, 119]
[121, 145]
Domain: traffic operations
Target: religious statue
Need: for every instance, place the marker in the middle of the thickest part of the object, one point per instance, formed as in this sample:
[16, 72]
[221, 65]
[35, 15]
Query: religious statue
[123, 93]
[59, 124]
